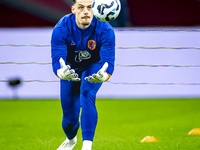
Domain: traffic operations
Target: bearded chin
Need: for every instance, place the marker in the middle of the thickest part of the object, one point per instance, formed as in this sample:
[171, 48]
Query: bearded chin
[85, 23]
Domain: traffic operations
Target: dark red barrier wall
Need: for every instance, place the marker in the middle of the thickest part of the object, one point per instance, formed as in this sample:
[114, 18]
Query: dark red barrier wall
[164, 12]
[11, 17]
[141, 13]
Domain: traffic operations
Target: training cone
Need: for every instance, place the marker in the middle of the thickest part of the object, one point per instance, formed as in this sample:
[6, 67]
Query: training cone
[149, 139]
[195, 131]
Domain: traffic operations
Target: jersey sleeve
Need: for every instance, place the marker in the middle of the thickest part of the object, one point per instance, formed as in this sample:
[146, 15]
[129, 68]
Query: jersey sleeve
[58, 46]
[107, 51]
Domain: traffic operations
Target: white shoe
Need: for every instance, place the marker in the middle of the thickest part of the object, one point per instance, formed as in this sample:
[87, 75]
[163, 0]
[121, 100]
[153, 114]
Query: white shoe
[85, 149]
[68, 144]
[87, 145]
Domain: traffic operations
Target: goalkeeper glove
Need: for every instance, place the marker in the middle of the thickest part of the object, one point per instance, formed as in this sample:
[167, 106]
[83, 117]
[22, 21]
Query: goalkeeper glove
[66, 73]
[100, 76]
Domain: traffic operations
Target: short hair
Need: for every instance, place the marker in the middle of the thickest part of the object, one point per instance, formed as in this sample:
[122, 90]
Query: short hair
[74, 1]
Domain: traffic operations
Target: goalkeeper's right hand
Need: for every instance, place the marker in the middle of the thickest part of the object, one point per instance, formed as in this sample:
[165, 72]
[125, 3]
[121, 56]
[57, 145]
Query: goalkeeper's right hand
[66, 73]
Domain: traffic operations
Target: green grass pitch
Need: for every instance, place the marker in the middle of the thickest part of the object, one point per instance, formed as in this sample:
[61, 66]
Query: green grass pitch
[122, 124]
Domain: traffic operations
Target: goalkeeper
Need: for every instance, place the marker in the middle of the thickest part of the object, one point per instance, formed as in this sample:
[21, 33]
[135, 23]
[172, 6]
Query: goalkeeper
[83, 54]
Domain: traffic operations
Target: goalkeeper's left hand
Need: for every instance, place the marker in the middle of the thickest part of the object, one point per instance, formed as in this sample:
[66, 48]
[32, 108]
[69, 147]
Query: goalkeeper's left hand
[100, 76]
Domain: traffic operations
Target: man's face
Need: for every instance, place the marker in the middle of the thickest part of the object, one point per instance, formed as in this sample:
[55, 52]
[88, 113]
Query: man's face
[83, 11]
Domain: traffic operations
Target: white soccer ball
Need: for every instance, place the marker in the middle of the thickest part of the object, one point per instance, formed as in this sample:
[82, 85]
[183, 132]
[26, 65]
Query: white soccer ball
[106, 10]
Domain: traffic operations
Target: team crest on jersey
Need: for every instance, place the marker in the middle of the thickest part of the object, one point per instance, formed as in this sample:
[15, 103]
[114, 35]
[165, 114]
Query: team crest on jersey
[91, 44]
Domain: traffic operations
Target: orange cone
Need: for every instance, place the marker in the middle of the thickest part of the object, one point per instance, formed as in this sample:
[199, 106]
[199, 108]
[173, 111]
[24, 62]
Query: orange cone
[195, 131]
[149, 139]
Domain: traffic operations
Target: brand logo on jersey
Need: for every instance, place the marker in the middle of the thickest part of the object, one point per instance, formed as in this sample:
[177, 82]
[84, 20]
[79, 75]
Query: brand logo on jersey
[91, 44]
[82, 55]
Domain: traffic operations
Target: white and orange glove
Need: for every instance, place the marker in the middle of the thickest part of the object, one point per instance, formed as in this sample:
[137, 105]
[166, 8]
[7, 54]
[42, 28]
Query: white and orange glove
[66, 73]
[100, 76]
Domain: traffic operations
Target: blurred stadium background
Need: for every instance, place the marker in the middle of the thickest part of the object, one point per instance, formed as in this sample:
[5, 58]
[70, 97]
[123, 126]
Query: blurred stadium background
[45, 13]
[157, 49]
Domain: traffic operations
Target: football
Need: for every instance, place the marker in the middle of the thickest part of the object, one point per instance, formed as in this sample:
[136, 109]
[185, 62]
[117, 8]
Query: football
[106, 10]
